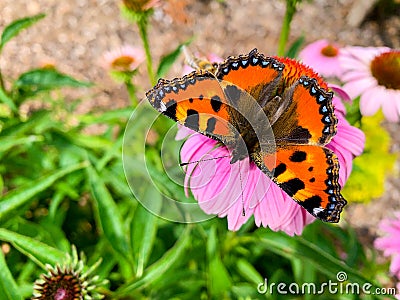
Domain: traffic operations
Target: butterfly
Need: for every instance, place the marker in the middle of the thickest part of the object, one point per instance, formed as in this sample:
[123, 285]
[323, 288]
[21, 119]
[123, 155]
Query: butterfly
[276, 111]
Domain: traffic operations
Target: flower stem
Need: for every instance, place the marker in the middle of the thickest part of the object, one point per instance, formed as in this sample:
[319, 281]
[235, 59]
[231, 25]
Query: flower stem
[142, 24]
[130, 87]
[290, 11]
[2, 86]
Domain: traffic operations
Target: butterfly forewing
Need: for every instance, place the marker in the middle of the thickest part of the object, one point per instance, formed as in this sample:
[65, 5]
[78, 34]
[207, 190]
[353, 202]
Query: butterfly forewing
[309, 118]
[196, 101]
[258, 75]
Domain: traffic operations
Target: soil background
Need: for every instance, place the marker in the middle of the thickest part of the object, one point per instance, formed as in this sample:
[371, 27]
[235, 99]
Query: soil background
[76, 33]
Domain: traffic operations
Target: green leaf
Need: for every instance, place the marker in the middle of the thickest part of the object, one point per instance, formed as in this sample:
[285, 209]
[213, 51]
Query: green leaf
[10, 142]
[295, 47]
[1, 184]
[310, 253]
[219, 281]
[40, 118]
[86, 141]
[112, 152]
[11, 204]
[168, 60]
[157, 270]
[7, 100]
[8, 287]
[248, 271]
[353, 113]
[109, 216]
[114, 180]
[109, 117]
[37, 251]
[16, 26]
[144, 229]
[37, 80]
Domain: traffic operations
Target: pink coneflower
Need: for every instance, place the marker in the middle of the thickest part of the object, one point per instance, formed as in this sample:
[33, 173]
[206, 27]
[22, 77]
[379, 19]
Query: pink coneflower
[226, 189]
[124, 59]
[374, 75]
[323, 57]
[390, 242]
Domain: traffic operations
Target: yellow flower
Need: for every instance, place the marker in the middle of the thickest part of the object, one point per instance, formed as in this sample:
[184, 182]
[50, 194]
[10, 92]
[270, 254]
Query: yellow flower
[371, 169]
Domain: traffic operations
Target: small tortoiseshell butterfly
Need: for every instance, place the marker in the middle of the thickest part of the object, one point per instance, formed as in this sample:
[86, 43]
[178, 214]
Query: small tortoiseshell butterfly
[290, 100]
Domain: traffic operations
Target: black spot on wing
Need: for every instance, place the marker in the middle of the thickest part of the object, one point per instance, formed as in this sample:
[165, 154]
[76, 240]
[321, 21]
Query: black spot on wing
[312, 179]
[211, 124]
[292, 186]
[298, 156]
[300, 134]
[216, 103]
[281, 168]
[192, 119]
[171, 109]
[233, 93]
[310, 169]
[311, 203]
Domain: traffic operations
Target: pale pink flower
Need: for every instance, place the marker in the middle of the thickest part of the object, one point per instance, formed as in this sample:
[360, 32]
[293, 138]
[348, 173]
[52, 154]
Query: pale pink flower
[390, 242]
[227, 189]
[123, 59]
[323, 57]
[374, 75]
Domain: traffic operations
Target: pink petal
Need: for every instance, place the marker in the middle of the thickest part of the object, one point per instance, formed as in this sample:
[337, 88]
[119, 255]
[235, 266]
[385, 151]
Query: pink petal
[370, 102]
[357, 87]
[390, 110]
[395, 265]
[355, 75]
[183, 132]
[341, 93]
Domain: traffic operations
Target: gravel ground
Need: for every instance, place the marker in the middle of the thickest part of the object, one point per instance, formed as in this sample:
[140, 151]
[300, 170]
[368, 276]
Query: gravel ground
[76, 33]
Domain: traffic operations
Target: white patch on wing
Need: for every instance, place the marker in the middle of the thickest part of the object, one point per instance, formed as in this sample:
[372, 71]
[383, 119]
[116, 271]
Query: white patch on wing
[317, 210]
[163, 107]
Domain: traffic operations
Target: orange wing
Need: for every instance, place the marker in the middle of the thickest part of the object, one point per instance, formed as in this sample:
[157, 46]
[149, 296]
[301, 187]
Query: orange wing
[196, 101]
[309, 174]
[255, 73]
[309, 117]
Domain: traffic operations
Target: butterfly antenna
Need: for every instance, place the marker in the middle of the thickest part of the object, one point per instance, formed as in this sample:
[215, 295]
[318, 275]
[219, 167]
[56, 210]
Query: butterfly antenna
[197, 161]
[241, 190]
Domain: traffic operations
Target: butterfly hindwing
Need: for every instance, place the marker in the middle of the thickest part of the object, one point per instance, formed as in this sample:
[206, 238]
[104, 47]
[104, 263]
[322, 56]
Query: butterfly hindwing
[309, 174]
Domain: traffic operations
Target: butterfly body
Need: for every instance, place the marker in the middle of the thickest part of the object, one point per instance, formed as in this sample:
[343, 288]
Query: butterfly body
[274, 111]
